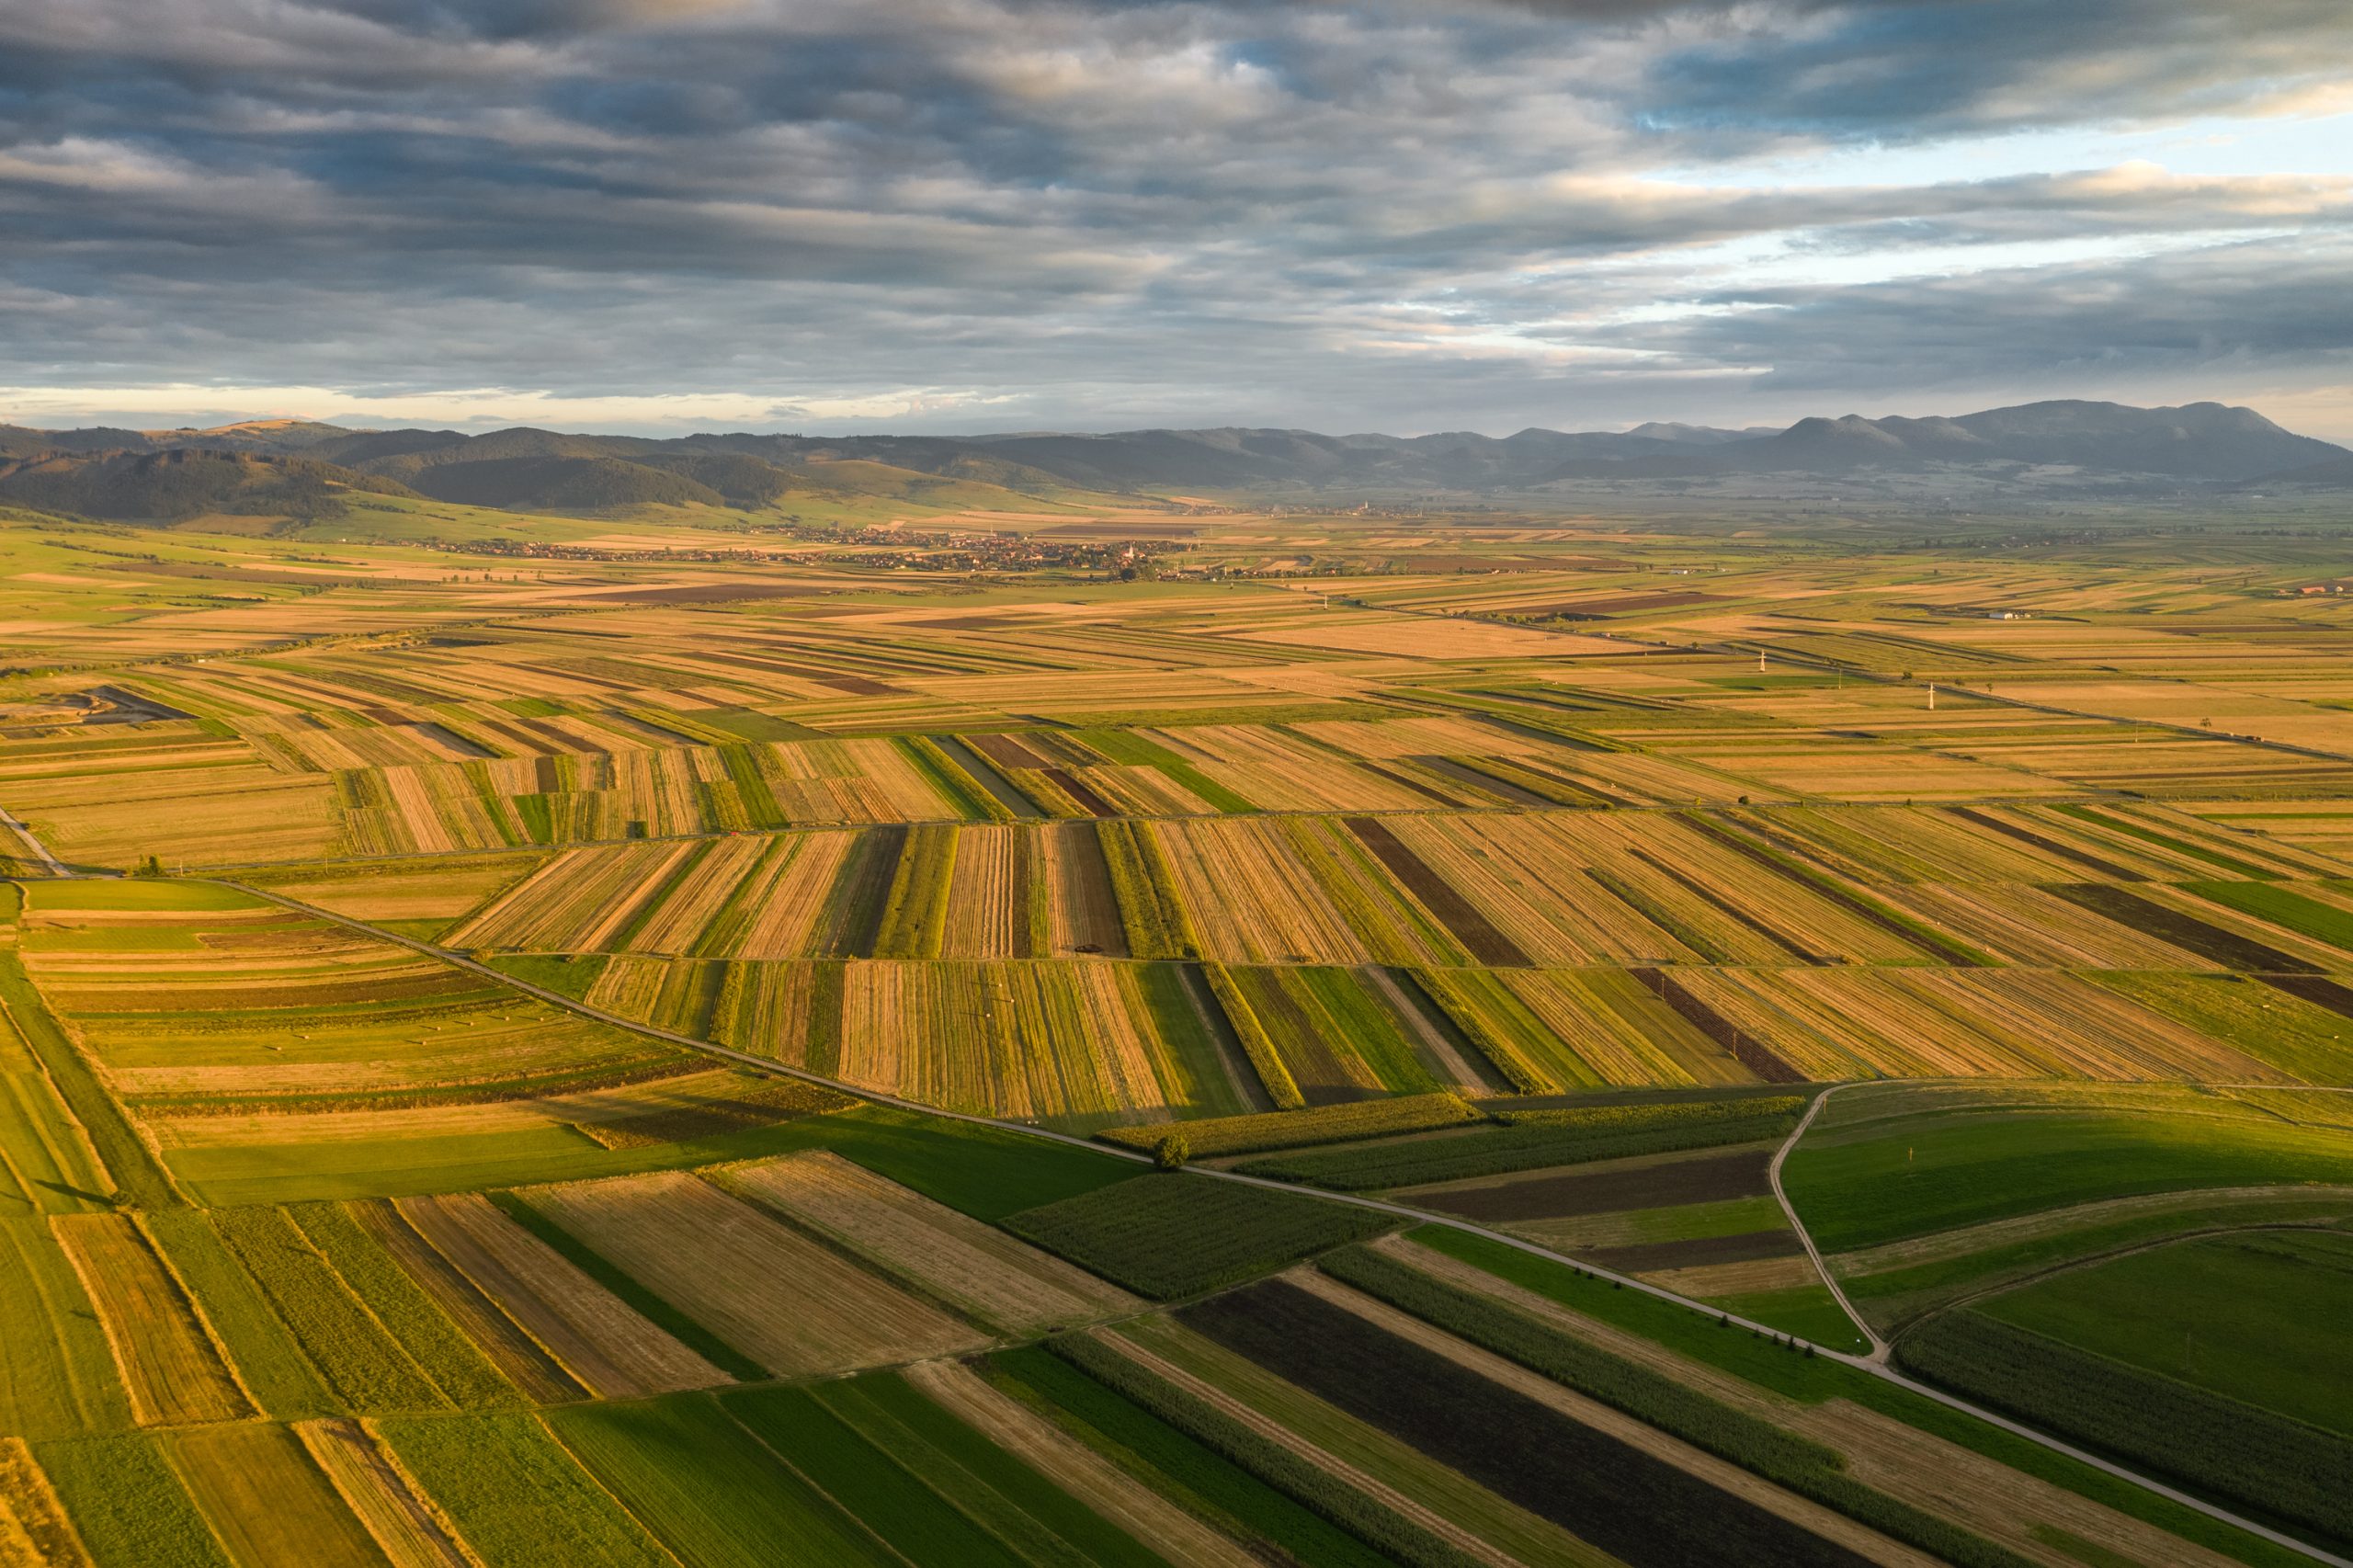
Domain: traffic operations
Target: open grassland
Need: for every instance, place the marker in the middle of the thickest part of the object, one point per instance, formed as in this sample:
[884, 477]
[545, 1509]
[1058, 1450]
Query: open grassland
[2252, 1316]
[1888, 1164]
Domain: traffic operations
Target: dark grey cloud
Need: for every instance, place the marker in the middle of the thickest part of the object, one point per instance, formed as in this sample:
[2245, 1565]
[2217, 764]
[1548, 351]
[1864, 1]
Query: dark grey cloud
[1061, 211]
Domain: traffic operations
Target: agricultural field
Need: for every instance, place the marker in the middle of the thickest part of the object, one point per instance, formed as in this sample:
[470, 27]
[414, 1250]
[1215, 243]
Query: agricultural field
[609, 1058]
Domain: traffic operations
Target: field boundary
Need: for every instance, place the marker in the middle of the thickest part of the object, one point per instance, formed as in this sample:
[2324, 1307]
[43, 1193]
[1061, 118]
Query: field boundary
[1876, 1367]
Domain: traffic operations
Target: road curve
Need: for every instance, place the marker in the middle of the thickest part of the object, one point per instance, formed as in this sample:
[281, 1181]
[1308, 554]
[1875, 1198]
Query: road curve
[1880, 1348]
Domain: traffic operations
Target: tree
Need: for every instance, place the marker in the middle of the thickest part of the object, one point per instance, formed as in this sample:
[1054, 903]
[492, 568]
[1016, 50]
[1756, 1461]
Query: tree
[1171, 1152]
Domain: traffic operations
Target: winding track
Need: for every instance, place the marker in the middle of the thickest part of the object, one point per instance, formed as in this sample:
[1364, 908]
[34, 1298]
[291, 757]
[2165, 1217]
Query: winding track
[1880, 1348]
[1874, 1364]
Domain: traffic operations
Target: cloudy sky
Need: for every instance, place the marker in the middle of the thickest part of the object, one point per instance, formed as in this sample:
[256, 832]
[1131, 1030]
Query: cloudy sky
[998, 214]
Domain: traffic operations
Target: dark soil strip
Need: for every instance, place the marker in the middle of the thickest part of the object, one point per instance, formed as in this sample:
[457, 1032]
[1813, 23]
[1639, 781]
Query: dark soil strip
[1675, 1182]
[1637, 1507]
[2225, 948]
[444, 735]
[1859, 907]
[1470, 928]
[1088, 800]
[1319, 1071]
[1416, 784]
[987, 776]
[2050, 846]
[1650, 1256]
[1518, 794]
[2317, 990]
[860, 895]
[1005, 751]
[1709, 896]
[1745, 1048]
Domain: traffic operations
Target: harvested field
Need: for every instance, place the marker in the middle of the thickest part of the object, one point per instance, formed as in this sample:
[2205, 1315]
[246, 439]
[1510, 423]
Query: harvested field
[404, 1525]
[1017, 1429]
[983, 1272]
[171, 1368]
[267, 1500]
[597, 1338]
[793, 1305]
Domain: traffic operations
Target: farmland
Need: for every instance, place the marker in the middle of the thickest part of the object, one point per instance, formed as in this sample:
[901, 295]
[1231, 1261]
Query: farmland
[472, 1095]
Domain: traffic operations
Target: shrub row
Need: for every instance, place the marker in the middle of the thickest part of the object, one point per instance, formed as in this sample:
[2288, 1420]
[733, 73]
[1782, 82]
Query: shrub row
[1804, 1467]
[1633, 1118]
[1507, 1149]
[1291, 1129]
[2272, 1461]
[1309, 1484]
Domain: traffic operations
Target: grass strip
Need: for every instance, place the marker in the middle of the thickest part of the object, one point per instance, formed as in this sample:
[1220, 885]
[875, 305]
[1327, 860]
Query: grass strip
[709, 1490]
[517, 1498]
[1199, 1478]
[1480, 1025]
[1502, 1150]
[1257, 1044]
[654, 1309]
[964, 794]
[411, 1317]
[361, 1362]
[128, 1506]
[139, 1178]
[1309, 1484]
[268, 1360]
[1804, 1467]
[1150, 909]
[1293, 1129]
[914, 913]
[1007, 1493]
[865, 1479]
[2282, 906]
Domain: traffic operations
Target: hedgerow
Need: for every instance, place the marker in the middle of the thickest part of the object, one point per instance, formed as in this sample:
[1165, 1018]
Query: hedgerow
[1291, 1129]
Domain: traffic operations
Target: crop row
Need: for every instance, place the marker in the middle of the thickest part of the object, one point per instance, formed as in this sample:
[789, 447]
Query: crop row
[1168, 1236]
[1804, 1467]
[2271, 1462]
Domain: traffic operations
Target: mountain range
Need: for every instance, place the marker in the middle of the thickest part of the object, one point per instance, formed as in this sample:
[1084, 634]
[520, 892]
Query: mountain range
[302, 469]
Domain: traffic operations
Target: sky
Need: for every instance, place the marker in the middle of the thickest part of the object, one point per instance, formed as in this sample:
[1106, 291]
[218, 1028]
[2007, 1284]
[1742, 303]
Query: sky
[1340, 215]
